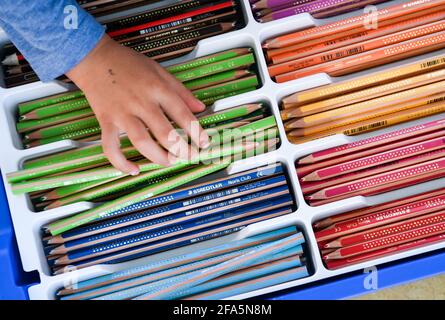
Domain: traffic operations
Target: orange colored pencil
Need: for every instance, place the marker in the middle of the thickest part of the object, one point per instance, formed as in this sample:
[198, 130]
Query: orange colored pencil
[354, 49]
[366, 35]
[371, 59]
[357, 24]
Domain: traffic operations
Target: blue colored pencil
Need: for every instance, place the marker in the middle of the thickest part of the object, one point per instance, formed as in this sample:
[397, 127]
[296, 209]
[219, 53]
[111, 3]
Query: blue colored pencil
[254, 284]
[169, 244]
[183, 282]
[252, 272]
[126, 287]
[178, 260]
[150, 287]
[89, 247]
[168, 209]
[202, 188]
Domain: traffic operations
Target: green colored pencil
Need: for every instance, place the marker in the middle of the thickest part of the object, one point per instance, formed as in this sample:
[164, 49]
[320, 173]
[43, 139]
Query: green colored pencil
[110, 172]
[30, 125]
[63, 128]
[29, 106]
[220, 56]
[56, 109]
[71, 135]
[88, 216]
[248, 129]
[226, 87]
[228, 114]
[71, 154]
[115, 186]
[217, 67]
[66, 191]
[34, 173]
[215, 79]
[212, 100]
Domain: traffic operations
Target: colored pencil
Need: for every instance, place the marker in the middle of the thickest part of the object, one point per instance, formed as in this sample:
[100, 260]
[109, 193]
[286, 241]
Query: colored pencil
[360, 96]
[210, 273]
[310, 187]
[57, 120]
[372, 58]
[371, 143]
[372, 124]
[216, 67]
[288, 53]
[55, 109]
[344, 87]
[169, 209]
[176, 261]
[252, 285]
[320, 8]
[158, 229]
[387, 230]
[176, 242]
[29, 106]
[392, 240]
[326, 223]
[429, 167]
[356, 23]
[354, 49]
[377, 159]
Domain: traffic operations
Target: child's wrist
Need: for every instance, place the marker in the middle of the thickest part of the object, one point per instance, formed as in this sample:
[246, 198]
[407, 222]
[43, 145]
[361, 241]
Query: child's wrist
[84, 72]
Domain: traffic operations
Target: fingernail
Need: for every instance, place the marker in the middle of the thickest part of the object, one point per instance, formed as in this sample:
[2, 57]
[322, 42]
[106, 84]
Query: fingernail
[134, 172]
[202, 105]
[204, 143]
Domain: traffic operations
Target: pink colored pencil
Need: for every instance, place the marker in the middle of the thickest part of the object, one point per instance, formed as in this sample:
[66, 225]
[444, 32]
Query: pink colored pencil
[372, 142]
[381, 179]
[389, 187]
[311, 187]
[306, 169]
[376, 159]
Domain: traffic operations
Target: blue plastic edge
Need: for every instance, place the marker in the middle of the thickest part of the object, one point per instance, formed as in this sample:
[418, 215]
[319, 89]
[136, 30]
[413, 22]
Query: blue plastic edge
[14, 282]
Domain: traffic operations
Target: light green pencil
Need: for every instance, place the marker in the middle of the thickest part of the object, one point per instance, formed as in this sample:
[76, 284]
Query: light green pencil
[56, 109]
[226, 88]
[29, 106]
[110, 172]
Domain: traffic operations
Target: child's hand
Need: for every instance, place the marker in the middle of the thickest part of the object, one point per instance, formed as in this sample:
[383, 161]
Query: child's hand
[129, 93]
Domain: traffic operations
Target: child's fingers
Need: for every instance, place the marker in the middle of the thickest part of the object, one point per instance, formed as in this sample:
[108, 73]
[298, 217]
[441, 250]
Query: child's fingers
[192, 103]
[144, 143]
[161, 128]
[176, 109]
[111, 148]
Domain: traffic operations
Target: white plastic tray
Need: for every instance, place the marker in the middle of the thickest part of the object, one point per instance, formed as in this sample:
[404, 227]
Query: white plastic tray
[27, 223]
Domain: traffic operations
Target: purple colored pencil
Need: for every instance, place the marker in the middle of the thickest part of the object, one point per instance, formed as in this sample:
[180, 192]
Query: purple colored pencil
[318, 7]
[278, 4]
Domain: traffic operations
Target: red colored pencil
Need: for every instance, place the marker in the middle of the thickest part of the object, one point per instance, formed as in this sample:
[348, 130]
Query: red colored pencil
[386, 230]
[327, 222]
[208, 9]
[384, 217]
[376, 159]
[389, 241]
[341, 263]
